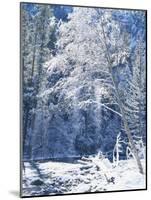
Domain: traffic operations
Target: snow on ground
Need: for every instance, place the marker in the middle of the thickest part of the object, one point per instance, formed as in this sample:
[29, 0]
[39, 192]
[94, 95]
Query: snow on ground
[87, 175]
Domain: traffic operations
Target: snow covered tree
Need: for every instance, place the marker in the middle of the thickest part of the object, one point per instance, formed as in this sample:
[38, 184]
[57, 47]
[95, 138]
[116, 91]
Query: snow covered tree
[96, 43]
[134, 105]
[78, 58]
[36, 39]
[120, 103]
[27, 35]
[44, 49]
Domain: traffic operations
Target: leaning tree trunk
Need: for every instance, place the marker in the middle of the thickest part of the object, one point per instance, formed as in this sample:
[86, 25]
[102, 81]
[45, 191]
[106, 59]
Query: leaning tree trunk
[126, 127]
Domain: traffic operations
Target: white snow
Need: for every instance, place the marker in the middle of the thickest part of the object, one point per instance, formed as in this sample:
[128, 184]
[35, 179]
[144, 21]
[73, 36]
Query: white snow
[88, 175]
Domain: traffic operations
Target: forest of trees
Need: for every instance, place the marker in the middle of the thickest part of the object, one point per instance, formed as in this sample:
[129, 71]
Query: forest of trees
[84, 82]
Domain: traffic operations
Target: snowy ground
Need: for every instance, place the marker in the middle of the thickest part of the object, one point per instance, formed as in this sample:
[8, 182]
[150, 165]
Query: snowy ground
[87, 175]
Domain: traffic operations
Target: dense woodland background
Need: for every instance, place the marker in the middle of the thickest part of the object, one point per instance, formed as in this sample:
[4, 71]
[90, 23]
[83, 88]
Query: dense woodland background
[83, 81]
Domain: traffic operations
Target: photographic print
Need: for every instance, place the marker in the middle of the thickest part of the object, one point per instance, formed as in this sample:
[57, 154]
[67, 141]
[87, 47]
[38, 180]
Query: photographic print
[83, 99]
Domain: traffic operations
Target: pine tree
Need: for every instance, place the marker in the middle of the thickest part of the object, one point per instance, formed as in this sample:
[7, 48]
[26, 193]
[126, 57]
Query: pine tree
[120, 103]
[37, 32]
